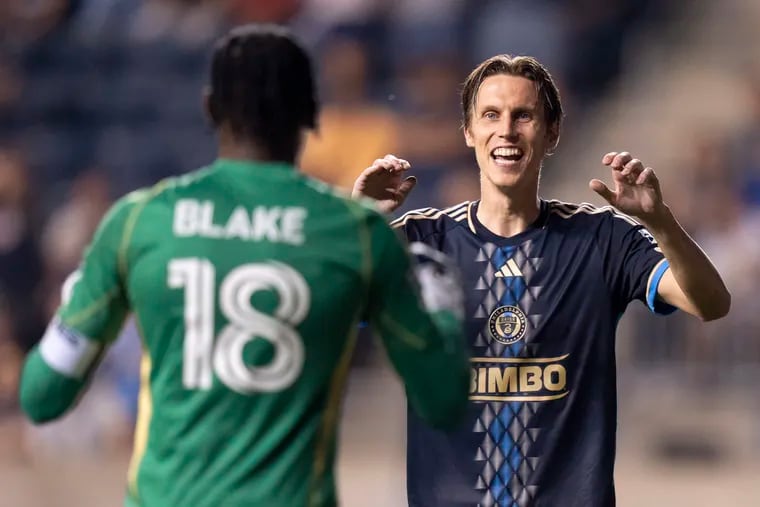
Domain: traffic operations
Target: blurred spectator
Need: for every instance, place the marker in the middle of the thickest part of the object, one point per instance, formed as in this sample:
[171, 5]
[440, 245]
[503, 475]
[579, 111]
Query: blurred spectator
[146, 89]
[186, 23]
[263, 11]
[20, 260]
[708, 199]
[318, 17]
[599, 28]
[420, 28]
[459, 184]
[746, 152]
[10, 85]
[11, 440]
[10, 360]
[70, 229]
[535, 28]
[352, 132]
[23, 22]
[430, 114]
[709, 186]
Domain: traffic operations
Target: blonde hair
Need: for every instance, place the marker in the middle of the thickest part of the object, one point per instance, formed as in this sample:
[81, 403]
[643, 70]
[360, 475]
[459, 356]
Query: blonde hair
[524, 66]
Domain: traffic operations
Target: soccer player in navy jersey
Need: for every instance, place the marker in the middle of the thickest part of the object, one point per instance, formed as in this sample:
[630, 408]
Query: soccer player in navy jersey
[546, 283]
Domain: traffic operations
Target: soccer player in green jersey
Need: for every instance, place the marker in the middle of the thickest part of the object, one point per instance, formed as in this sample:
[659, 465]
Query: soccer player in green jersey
[247, 281]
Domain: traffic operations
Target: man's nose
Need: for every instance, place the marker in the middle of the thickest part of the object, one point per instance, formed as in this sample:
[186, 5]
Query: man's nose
[509, 129]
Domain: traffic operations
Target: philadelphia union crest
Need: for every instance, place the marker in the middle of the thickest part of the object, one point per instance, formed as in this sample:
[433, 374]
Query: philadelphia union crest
[507, 324]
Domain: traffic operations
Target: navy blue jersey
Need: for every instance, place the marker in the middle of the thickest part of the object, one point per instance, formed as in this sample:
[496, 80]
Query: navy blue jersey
[542, 308]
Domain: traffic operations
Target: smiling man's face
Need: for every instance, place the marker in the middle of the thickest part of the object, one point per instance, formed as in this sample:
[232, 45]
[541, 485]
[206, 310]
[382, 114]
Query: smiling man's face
[508, 131]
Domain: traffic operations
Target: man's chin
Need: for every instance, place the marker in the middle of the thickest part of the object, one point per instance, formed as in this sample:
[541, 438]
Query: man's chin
[507, 181]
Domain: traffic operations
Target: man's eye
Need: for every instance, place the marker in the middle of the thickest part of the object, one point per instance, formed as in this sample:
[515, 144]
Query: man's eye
[525, 116]
[490, 115]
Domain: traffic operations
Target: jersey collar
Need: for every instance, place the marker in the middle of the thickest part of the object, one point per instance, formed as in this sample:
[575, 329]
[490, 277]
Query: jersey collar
[484, 233]
[250, 165]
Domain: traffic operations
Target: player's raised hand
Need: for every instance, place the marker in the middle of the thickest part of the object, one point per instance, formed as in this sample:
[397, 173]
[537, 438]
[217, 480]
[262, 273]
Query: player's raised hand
[383, 181]
[636, 188]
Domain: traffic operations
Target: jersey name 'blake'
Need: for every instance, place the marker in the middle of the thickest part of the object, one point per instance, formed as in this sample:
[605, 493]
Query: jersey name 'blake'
[276, 224]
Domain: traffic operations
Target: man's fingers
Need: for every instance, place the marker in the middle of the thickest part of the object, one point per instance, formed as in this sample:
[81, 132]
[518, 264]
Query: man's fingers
[620, 160]
[647, 176]
[607, 159]
[389, 163]
[634, 168]
[377, 166]
[600, 188]
[397, 164]
[406, 186]
[382, 163]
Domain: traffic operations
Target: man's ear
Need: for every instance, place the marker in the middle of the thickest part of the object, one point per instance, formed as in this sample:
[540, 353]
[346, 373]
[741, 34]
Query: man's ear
[210, 107]
[552, 138]
[468, 139]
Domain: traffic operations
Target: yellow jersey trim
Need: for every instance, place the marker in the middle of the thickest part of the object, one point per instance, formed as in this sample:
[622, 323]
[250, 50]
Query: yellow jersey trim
[458, 212]
[519, 398]
[142, 198]
[470, 221]
[518, 360]
[329, 426]
[144, 417]
[145, 395]
[86, 313]
[411, 339]
[567, 210]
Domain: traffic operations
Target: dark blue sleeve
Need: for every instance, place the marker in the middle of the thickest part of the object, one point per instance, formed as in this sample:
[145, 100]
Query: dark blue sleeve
[408, 230]
[633, 263]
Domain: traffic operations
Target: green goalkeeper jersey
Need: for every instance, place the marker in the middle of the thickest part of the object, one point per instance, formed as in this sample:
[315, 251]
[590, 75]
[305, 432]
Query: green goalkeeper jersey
[247, 282]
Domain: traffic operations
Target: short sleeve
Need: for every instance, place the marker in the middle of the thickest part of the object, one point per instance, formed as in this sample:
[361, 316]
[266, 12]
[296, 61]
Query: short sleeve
[633, 263]
[406, 228]
[95, 302]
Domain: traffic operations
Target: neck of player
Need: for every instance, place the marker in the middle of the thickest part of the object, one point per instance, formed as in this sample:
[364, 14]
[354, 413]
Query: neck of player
[507, 212]
[233, 147]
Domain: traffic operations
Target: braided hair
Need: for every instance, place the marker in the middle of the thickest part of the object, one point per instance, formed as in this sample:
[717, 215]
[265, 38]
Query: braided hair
[263, 89]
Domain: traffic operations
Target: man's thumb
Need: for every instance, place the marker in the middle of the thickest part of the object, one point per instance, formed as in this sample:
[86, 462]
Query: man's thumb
[406, 186]
[600, 188]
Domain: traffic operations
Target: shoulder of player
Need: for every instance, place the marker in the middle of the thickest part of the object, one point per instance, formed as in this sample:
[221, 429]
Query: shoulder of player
[142, 196]
[585, 213]
[327, 190]
[129, 207]
[336, 198]
[434, 219]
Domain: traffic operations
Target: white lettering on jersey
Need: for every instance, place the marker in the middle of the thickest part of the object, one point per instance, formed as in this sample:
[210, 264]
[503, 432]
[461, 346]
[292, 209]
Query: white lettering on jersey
[275, 224]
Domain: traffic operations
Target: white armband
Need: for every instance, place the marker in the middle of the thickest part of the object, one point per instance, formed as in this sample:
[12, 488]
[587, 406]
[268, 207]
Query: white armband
[68, 352]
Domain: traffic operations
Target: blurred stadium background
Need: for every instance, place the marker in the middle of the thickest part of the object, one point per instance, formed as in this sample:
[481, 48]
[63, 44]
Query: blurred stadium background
[98, 97]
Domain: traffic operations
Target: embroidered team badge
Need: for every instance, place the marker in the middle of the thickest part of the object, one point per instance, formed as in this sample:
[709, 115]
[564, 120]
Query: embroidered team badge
[507, 324]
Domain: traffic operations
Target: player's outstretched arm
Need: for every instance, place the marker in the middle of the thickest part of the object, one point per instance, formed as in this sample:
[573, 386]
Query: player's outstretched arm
[383, 182]
[93, 309]
[55, 373]
[418, 314]
[691, 283]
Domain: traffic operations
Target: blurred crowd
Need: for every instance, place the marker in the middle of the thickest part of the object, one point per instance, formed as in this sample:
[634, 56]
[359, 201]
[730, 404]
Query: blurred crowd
[99, 97]
[716, 196]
